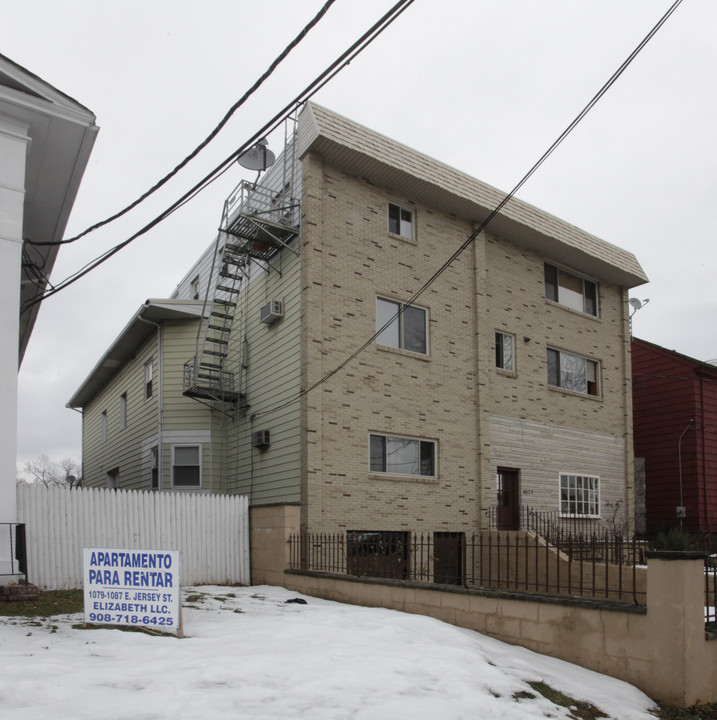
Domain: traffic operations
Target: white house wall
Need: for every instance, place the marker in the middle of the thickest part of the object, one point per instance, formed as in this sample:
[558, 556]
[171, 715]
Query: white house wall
[13, 148]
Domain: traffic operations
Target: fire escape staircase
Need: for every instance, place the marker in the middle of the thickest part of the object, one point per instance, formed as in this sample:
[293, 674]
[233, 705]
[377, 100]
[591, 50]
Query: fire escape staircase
[254, 228]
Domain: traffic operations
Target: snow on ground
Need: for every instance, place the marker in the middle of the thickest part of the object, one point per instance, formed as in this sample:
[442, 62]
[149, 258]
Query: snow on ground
[250, 654]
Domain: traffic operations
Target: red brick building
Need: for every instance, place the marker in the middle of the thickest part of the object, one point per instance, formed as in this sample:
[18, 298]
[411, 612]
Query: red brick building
[675, 431]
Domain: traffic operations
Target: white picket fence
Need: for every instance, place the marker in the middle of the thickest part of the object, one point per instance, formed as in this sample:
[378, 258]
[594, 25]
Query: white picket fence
[210, 531]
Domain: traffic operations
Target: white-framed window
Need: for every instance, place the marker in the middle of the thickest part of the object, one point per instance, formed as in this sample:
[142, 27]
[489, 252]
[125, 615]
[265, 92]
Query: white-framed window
[194, 288]
[505, 351]
[148, 378]
[400, 221]
[187, 466]
[402, 456]
[570, 290]
[123, 411]
[572, 372]
[579, 495]
[103, 426]
[409, 331]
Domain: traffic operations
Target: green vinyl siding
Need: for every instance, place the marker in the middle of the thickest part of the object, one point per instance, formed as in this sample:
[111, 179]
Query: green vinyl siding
[184, 421]
[123, 447]
[271, 379]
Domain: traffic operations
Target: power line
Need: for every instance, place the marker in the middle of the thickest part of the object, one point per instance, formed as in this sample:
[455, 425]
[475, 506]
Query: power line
[328, 74]
[282, 56]
[469, 240]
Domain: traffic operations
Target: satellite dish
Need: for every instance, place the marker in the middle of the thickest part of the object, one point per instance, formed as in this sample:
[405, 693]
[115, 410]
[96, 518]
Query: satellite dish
[636, 304]
[257, 158]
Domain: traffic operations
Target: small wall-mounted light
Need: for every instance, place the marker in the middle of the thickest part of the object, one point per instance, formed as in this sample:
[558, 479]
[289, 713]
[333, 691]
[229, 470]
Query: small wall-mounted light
[526, 339]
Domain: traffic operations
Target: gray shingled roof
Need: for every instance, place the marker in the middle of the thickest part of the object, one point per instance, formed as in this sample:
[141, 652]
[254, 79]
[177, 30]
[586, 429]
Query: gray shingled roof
[365, 153]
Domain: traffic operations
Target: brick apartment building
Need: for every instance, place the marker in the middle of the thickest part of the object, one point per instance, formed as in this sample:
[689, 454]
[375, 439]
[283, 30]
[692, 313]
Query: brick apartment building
[504, 384]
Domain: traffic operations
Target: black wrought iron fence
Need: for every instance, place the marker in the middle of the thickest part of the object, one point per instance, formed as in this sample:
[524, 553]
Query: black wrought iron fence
[548, 524]
[595, 567]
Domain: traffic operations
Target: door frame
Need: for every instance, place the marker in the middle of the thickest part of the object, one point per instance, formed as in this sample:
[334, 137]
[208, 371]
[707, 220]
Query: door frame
[508, 499]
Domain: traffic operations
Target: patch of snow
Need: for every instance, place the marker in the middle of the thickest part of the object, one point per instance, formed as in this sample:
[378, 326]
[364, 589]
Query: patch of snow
[250, 654]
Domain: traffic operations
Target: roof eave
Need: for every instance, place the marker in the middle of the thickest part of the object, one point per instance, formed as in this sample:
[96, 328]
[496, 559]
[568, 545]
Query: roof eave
[364, 153]
[137, 330]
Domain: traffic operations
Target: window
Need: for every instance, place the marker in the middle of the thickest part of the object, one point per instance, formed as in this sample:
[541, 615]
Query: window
[154, 467]
[571, 372]
[400, 221]
[402, 456]
[372, 553]
[194, 288]
[407, 332]
[113, 479]
[103, 425]
[186, 466]
[579, 495]
[148, 380]
[570, 290]
[504, 351]
[123, 411]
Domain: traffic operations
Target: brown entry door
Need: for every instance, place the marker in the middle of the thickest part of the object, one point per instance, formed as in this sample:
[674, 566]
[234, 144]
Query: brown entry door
[508, 499]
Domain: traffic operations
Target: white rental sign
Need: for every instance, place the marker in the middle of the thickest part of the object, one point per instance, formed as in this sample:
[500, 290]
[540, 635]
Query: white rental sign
[132, 587]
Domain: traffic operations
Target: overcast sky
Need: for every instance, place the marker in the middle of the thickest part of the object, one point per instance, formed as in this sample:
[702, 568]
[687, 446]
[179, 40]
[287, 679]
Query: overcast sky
[483, 85]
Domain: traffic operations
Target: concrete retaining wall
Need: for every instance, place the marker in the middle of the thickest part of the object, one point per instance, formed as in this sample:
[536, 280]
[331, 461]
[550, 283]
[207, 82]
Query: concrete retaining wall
[660, 647]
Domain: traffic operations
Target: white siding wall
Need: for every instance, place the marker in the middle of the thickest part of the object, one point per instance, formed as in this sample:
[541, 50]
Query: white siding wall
[210, 531]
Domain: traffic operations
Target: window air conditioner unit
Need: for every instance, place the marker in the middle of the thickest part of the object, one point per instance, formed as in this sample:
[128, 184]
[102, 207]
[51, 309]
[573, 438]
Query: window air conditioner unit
[272, 311]
[260, 439]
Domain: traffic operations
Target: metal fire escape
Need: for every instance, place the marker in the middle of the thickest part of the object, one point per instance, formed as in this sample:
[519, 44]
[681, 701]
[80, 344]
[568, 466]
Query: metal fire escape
[257, 222]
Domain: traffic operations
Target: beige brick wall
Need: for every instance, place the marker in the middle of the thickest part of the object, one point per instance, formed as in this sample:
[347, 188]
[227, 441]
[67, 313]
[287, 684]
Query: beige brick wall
[449, 395]
[350, 259]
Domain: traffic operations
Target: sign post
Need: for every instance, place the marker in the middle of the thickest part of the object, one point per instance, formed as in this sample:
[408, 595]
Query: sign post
[133, 587]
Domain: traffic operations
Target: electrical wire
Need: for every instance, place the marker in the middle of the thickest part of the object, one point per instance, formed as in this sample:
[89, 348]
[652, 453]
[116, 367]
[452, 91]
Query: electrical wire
[320, 81]
[282, 56]
[482, 226]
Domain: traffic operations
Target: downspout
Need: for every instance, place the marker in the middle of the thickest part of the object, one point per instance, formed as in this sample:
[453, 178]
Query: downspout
[160, 404]
[82, 444]
[679, 465]
[707, 513]
[628, 428]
